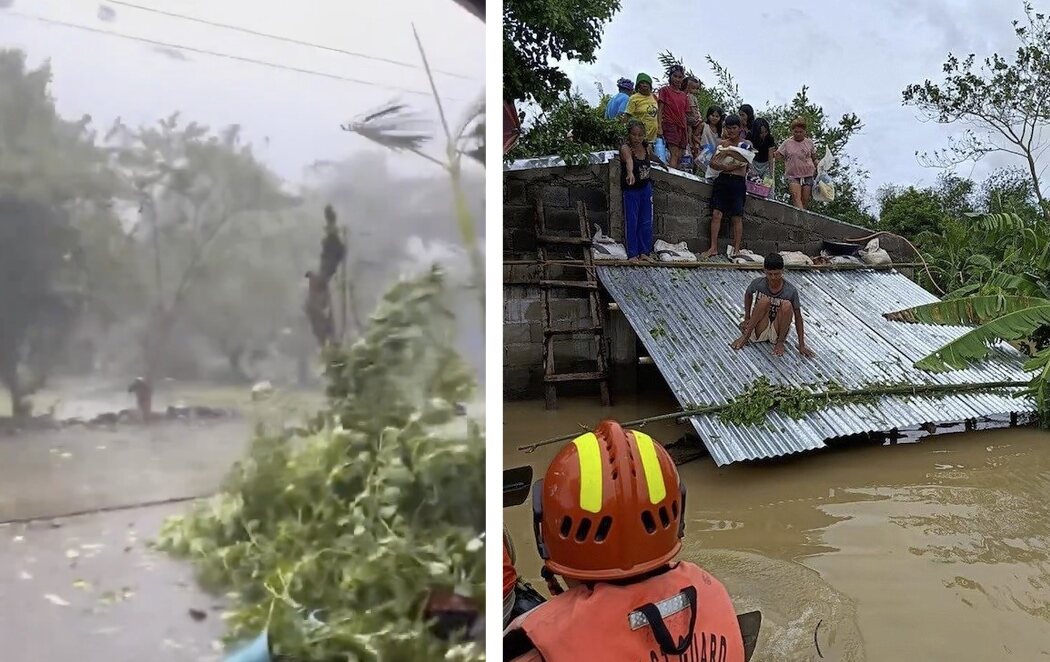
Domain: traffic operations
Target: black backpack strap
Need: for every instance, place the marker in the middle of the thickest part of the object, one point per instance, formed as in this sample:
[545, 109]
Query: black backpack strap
[654, 617]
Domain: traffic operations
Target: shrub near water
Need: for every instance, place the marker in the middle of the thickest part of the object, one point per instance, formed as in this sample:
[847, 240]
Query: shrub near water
[333, 538]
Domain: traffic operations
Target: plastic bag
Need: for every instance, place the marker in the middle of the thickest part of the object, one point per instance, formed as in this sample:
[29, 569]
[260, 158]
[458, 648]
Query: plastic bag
[606, 248]
[668, 252]
[744, 256]
[824, 186]
[796, 258]
[660, 149]
[873, 255]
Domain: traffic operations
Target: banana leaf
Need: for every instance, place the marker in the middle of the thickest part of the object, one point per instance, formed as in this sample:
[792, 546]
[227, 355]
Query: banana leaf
[1000, 318]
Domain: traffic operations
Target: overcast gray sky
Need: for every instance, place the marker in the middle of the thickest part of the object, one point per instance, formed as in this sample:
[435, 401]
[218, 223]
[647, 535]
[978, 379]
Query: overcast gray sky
[298, 114]
[855, 56]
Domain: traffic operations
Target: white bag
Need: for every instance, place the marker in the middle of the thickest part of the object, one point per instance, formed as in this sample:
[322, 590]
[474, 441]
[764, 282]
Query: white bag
[745, 155]
[823, 185]
[744, 256]
[606, 248]
[679, 252]
[796, 259]
[873, 255]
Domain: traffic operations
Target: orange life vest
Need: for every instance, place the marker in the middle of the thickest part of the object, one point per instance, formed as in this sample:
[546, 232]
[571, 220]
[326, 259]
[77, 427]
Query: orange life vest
[609, 622]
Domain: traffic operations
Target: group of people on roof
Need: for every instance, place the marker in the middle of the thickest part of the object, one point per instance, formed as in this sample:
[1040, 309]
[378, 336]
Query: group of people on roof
[732, 147]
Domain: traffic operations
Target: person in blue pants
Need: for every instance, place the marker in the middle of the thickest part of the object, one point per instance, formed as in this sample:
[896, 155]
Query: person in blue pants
[636, 159]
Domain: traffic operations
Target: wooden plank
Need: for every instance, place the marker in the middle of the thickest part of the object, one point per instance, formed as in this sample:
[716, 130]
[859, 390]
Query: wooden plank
[575, 377]
[569, 284]
[583, 330]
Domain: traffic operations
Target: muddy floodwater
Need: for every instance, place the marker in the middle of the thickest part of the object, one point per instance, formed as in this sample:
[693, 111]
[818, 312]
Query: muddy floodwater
[938, 550]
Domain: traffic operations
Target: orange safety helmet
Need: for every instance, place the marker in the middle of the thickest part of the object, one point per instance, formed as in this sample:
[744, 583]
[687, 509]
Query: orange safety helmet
[610, 507]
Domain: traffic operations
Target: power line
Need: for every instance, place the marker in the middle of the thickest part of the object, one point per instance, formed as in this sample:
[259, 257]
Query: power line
[238, 58]
[289, 40]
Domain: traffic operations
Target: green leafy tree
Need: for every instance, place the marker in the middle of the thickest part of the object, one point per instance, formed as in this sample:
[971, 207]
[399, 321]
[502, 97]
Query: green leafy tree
[53, 181]
[44, 157]
[39, 294]
[572, 129]
[1004, 102]
[538, 33]
[1004, 295]
[910, 211]
[334, 539]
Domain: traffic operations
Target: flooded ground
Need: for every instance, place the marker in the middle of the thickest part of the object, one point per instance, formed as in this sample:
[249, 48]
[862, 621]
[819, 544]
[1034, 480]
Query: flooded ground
[88, 587]
[79, 581]
[937, 550]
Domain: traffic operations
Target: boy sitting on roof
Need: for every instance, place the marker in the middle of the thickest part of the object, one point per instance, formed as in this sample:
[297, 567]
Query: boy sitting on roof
[777, 304]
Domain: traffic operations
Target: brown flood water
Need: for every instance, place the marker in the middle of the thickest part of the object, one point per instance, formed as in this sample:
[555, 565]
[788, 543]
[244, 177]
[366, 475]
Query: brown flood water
[932, 551]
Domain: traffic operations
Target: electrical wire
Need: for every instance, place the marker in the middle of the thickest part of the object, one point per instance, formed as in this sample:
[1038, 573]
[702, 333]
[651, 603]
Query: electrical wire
[288, 40]
[202, 51]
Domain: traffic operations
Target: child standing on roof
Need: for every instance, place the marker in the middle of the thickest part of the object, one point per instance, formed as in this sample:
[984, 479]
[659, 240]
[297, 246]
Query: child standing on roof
[673, 105]
[643, 107]
[636, 156]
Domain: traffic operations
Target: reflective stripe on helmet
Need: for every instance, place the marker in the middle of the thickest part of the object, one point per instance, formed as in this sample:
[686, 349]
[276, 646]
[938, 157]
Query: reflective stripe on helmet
[589, 452]
[654, 477]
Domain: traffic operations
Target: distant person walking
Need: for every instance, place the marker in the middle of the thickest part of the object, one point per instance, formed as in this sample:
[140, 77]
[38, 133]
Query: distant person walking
[618, 104]
[673, 105]
[636, 157]
[643, 106]
[800, 159]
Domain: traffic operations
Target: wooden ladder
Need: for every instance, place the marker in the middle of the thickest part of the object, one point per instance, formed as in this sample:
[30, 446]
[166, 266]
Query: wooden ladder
[596, 328]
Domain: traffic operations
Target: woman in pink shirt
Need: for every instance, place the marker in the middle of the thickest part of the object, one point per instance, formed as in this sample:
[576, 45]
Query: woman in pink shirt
[800, 159]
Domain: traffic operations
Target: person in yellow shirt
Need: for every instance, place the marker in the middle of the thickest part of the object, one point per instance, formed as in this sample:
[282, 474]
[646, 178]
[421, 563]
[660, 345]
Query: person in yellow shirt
[643, 106]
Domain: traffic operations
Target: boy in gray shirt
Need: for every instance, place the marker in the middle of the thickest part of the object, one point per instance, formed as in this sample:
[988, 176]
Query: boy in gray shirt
[777, 304]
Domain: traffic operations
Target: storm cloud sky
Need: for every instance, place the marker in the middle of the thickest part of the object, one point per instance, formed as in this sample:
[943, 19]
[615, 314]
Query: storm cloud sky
[292, 118]
[854, 56]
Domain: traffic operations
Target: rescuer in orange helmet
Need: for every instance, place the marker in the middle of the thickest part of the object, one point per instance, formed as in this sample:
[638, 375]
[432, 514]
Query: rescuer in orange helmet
[609, 518]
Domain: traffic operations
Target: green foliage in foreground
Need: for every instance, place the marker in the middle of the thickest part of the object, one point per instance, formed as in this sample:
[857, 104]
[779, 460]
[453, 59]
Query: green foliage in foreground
[333, 538]
[763, 397]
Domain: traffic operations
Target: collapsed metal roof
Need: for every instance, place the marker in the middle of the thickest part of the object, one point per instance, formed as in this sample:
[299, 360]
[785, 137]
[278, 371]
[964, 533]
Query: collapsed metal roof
[687, 317]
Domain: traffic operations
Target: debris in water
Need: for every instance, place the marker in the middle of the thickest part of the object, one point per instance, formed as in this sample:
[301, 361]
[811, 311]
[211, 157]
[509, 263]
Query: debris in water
[24, 575]
[82, 585]
[55, 600]
[72, 553]
[198, 614]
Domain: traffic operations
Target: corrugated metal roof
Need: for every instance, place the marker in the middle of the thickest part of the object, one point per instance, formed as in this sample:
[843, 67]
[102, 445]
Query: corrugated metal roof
[686, 319]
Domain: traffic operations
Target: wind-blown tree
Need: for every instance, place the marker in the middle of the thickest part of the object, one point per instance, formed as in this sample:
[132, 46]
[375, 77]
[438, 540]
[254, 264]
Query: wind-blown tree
[538, 33]
[192, 185]
[39, 294]
[1004, 102]
[254, 275]
[53, 180]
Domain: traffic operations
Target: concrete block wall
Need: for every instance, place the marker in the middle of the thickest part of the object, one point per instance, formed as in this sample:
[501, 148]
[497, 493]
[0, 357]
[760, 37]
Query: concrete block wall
[680, 213]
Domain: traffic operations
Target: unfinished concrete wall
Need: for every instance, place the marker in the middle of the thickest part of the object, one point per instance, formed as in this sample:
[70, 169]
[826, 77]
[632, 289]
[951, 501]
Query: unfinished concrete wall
[560, 189]
[681, 207]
